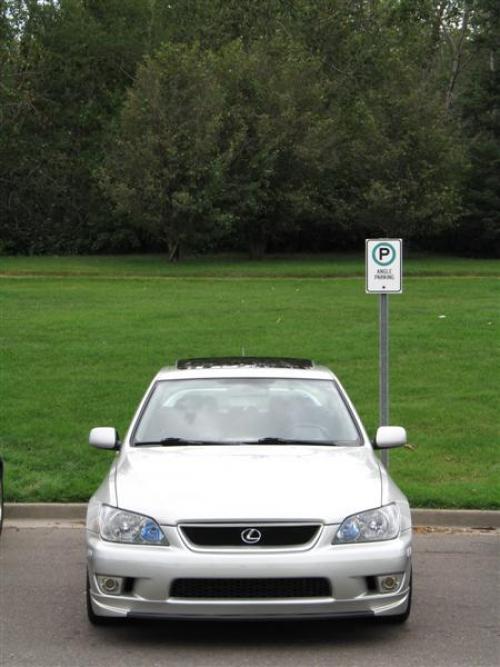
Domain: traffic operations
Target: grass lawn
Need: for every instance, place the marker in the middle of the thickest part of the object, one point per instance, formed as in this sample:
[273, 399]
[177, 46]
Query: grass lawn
[78, 350]
[234, 266]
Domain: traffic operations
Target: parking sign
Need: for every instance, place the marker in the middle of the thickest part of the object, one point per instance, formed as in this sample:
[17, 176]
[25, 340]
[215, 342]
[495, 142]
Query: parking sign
[384, 266]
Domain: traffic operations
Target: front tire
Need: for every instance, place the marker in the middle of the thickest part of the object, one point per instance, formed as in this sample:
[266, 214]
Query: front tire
[398, 619]
[94, 618]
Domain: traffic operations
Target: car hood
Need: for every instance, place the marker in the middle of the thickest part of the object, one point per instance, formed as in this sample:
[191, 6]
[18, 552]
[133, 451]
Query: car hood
[248, 483]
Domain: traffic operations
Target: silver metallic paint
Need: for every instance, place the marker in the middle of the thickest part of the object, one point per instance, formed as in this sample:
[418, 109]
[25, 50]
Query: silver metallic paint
[248, 484]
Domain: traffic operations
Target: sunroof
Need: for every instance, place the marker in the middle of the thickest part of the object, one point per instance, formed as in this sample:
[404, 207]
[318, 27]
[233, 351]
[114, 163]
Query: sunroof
[243, 362]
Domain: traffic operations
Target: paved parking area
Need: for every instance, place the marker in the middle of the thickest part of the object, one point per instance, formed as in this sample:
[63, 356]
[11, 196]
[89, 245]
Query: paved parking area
[455, 620]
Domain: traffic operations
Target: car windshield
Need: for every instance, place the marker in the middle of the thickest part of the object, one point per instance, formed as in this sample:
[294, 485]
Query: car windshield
[246, 410]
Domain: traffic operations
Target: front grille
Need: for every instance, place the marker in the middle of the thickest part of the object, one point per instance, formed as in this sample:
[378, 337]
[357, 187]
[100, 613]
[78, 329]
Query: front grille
[231, 536]
[310, 587]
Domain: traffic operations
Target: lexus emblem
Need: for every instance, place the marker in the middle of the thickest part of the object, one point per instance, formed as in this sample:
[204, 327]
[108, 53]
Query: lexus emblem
[251, 536]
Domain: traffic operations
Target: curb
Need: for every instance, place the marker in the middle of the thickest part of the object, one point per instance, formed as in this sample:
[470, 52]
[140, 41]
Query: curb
[488, 519]
[45, 511]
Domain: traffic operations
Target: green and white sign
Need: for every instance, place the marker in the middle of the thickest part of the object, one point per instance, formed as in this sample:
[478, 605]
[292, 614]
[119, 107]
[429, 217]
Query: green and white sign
[384, 266]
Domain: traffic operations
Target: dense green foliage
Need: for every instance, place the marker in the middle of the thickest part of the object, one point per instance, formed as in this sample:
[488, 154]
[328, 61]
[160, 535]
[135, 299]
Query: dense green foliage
[79, 350]
[202, 125]
[480, 226]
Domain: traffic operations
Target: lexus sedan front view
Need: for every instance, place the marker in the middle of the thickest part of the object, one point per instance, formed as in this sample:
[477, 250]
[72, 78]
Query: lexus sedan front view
[247, 488]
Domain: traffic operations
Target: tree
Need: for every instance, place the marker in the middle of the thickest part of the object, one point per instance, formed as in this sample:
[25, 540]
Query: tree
[479, 228]
[65, 67]
[324, 120]
[396, 158]
[164, 167]
[276, 129]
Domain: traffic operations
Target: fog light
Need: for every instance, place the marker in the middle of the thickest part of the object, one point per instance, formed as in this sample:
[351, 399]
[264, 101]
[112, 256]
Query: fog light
[110, 585]
[389, 583]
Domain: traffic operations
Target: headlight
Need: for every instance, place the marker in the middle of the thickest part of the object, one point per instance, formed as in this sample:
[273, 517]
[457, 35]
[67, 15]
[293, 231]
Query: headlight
[117, 525]
[369, 526]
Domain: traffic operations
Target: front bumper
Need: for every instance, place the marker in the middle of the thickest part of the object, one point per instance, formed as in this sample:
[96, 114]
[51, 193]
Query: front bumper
[151, 571]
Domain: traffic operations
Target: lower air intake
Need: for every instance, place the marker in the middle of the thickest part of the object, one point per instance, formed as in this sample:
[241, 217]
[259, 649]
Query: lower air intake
[310, 587]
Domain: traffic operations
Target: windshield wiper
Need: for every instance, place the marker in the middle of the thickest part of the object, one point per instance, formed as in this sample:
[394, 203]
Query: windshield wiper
[289, 441]
[165, 442]
[170, 441]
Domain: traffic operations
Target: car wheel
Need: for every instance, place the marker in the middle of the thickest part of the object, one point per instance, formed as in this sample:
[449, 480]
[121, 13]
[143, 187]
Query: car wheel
[94, 618]
[397, 619]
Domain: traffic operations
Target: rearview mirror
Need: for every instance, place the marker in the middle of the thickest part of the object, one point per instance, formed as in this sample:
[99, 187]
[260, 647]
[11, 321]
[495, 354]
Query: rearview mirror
[104, 437]
[390, 436]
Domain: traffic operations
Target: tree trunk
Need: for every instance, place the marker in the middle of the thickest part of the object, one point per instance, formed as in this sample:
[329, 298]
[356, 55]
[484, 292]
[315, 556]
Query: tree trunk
[456, 55]
[174, 251]
[257, 243]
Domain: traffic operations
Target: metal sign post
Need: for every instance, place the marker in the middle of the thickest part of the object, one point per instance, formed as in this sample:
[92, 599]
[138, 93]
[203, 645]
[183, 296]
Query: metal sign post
[384, 264]
[384, 368]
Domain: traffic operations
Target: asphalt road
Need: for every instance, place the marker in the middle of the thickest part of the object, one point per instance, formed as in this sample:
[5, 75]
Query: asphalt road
[455, 620]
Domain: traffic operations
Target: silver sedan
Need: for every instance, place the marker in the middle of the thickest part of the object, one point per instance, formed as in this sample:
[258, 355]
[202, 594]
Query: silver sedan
[247, 488]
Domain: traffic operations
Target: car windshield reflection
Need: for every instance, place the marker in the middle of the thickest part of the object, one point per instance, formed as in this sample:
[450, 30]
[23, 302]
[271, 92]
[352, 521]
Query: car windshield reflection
[246, 411]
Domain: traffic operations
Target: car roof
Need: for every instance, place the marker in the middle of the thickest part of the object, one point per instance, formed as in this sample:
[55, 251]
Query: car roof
[234, 367]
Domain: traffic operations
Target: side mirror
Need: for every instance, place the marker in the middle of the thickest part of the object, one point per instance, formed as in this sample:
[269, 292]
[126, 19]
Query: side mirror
[104, 437]
[390, 436]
